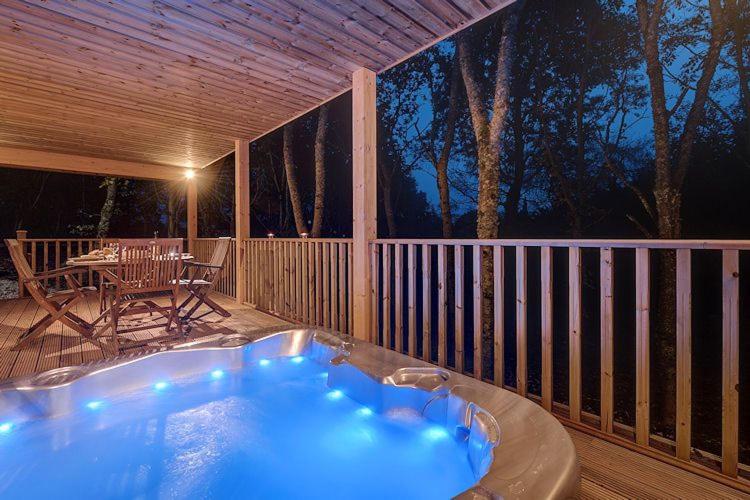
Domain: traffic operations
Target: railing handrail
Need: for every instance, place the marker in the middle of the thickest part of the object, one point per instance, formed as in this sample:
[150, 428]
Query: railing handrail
[577, 243]
[311, 240]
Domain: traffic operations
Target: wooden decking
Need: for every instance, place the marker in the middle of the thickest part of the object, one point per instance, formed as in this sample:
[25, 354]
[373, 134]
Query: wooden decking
[61, 346]
[608, 471]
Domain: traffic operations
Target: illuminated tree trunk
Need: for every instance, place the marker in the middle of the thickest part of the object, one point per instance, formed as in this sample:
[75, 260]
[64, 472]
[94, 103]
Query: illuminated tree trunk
[488, 131]
[320, 171]
[291, 180]
[108, 208]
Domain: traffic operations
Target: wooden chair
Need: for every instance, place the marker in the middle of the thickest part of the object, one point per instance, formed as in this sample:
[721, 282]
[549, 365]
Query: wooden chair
[202, 277]
[147, 270]
[58, 304]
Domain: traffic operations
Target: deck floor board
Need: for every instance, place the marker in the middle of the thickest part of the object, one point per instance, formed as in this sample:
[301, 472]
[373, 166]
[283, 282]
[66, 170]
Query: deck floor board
[608, 471]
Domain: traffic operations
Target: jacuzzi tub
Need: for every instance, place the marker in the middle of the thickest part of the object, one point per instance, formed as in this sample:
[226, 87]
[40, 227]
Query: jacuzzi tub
[416, 429]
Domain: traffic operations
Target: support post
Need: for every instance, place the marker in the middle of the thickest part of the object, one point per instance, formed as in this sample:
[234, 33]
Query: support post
[241, 213]
[364, 205]
[192, 214]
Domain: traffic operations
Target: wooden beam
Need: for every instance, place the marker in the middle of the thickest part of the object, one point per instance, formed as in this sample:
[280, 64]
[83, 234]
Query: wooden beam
[242, 212]
[364, 205]
[192, 213]
[66, 163]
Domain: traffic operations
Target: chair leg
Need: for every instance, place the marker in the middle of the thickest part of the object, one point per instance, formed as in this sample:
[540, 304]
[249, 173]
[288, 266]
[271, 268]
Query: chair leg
[114, 346]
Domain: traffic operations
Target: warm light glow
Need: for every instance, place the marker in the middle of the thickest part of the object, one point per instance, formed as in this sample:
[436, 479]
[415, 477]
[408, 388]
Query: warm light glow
[189, 173]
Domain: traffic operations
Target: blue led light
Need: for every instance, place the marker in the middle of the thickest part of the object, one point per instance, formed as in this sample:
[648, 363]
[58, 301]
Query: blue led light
[435, 433]
[364, 412]
[323, 375]
[94, 405]
[298, 359]
[217, 374]
[335, 395]
[6, 427]
[160, 386]
[264, 362]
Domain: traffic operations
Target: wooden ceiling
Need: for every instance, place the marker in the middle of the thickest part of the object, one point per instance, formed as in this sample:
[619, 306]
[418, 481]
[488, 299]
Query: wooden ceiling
[174, 82]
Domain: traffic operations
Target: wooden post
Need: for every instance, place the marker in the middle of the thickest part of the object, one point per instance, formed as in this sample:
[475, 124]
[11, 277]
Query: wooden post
[21, 235]
[730, 365]
[241, 213]
[364, 204]
[192, 214]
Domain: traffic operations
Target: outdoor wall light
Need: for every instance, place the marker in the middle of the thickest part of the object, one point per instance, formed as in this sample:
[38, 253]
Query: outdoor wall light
[270, 235]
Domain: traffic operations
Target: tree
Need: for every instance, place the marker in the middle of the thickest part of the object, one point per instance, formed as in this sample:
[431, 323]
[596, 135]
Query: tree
[108, 207]
[672, 159]
[488, 126]
[320, 170]
[436, 142]
[291, 180]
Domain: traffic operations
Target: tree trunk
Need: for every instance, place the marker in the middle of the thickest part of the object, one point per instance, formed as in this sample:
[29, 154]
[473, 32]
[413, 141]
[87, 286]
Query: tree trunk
[441, 165]
[108, 208]
[488, 133]
[320, 171]
[291, 180]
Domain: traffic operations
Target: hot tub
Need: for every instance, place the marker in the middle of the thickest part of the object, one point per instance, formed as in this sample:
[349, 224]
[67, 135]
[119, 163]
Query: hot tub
[290, 414]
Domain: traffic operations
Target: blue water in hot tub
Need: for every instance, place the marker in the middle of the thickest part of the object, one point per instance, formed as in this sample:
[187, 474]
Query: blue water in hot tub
[273, 430]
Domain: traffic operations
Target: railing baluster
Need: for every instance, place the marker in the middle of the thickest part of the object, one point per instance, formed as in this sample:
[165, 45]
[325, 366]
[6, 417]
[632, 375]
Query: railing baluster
[476, 284]
[521, 320]
[498, 278]
[412, 292]
[442, 263]
[334, 287]
[310, 282]
[387, 296]
[375, 283]
[684, 353]
[730, 362]
[606, 277]
[574, 332]
[326, 285]
[426, 303]
[342, 287]
[458, 268]
[547, 326]
[398, 284]
[642, 376]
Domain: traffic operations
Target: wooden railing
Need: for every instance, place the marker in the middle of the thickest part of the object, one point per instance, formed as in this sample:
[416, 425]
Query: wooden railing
[303, 280]
[430, 302]
[203, 249]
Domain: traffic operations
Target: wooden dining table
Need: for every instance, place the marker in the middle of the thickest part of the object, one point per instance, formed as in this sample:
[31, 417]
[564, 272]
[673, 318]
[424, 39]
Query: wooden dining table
[104, 268]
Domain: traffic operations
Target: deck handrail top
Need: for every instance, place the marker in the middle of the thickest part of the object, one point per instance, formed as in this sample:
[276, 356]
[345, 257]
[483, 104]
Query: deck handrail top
[581, 243]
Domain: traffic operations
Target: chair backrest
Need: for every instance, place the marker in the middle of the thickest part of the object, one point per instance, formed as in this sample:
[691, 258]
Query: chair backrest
[35, 288]
[148, 265]
[220, 252]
